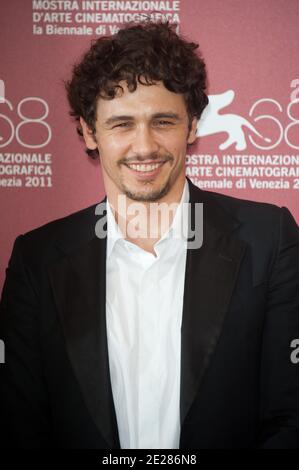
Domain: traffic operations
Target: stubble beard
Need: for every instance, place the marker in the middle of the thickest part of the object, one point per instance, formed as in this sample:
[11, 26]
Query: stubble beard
[148, 196]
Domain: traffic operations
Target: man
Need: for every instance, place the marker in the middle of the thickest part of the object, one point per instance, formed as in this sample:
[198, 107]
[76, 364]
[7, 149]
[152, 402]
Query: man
[128, 341]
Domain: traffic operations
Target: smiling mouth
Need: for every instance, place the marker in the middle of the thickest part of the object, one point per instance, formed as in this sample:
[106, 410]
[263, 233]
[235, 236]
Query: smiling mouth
[144, 167]
[145, 171]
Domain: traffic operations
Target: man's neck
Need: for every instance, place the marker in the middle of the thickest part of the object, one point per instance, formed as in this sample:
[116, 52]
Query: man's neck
[144, 223]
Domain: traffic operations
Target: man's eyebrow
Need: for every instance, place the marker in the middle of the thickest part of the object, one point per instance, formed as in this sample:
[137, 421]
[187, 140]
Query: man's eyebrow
[124, 117]
[168, 115]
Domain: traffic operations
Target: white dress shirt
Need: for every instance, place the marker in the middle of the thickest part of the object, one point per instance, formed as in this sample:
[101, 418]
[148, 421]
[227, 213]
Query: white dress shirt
[144, 301]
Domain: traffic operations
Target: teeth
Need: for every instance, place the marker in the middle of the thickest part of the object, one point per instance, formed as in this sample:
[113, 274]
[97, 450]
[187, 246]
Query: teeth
[145, 167]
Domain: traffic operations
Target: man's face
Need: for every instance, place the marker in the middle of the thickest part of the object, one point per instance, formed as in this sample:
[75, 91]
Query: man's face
[142, 138]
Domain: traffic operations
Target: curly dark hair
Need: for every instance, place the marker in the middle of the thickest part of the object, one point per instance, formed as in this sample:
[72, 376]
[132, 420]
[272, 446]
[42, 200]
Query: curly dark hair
[146, 52]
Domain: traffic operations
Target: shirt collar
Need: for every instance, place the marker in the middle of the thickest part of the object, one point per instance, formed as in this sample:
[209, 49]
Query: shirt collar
[175, 230]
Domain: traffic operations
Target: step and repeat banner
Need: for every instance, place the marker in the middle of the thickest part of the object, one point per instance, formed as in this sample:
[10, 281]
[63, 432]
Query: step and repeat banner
[248, 137]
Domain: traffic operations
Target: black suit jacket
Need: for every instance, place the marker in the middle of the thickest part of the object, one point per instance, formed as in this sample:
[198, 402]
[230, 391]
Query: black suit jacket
[239, 387]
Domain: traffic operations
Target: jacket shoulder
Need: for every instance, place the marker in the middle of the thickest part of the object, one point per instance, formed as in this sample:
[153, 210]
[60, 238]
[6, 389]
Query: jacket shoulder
[247, 211]
[55, 225]
[47, 242]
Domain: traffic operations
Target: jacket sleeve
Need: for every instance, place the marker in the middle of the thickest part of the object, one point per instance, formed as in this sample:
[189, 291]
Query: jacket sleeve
[279, 380]
[23, 398]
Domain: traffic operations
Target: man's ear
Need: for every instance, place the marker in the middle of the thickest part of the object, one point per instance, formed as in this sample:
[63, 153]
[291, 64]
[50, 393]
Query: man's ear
[192, 133]
[88, 135]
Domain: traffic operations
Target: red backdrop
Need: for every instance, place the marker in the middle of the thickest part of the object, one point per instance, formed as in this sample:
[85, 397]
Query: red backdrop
[248, 143]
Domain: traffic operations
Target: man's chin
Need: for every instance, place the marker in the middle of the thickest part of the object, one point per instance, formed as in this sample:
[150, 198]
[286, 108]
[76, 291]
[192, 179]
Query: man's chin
[147, 195]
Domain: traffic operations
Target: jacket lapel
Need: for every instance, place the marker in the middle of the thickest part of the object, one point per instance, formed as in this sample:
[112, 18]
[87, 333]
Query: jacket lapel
[79, 285]
[211, 273]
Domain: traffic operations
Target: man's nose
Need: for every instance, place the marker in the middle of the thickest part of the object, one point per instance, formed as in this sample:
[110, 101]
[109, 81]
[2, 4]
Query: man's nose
[144, 142]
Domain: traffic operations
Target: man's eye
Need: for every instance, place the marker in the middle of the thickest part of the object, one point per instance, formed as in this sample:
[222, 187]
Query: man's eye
[162, 122]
